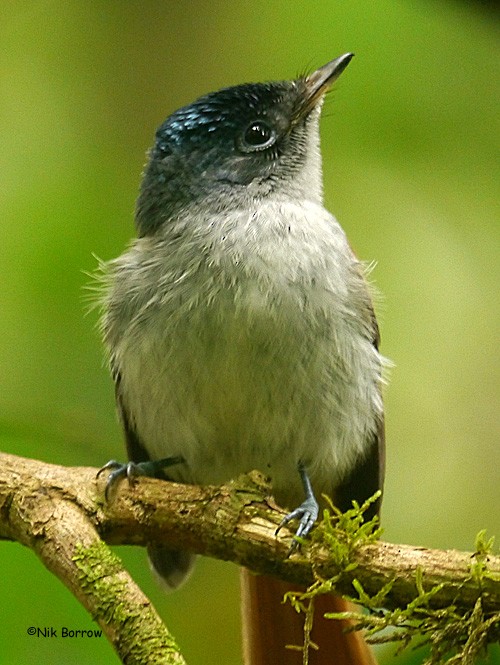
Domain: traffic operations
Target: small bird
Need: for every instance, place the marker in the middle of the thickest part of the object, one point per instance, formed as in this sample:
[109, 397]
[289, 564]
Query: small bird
[241, 333]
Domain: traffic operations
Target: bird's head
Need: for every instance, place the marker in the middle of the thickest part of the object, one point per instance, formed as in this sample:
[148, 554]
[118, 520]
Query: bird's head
[238, 144]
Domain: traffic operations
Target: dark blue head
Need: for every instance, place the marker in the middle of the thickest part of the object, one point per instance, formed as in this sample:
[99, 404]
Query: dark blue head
[238, 143]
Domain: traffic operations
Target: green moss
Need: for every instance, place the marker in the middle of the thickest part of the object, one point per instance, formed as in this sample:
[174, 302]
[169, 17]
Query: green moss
[343, 533]
[99, 568]
[453, 635]
[146, 638]
[478, 566]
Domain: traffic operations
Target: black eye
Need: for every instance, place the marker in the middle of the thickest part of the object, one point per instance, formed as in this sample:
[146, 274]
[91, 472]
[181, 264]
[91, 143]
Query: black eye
[257, 136]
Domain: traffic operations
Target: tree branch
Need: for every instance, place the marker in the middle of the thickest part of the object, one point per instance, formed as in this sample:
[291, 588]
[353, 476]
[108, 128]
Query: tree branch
[60, 513]
[54, 511]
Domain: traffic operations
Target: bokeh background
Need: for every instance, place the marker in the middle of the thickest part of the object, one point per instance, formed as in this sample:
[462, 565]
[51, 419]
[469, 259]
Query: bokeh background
[411, 147]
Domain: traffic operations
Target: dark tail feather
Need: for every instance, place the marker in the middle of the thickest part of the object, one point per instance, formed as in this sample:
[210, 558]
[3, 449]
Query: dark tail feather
[173, 567]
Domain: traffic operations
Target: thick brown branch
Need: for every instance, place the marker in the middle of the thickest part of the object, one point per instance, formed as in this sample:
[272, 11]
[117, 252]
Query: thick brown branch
[234, 522]
[52, 510]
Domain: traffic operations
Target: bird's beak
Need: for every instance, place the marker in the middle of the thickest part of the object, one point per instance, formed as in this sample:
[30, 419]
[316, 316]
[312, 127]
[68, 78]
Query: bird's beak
[320, 81]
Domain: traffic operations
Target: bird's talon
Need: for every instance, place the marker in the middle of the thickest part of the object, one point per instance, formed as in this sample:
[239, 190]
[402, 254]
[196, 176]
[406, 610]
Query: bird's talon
[307, 514]
[119, 471]
[132, 470]
[112, 464]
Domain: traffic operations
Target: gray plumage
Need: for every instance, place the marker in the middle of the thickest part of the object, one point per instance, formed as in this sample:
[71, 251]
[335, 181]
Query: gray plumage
[239, 325]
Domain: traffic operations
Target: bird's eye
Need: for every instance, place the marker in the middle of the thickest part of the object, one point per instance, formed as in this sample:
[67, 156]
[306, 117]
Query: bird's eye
[257, 136]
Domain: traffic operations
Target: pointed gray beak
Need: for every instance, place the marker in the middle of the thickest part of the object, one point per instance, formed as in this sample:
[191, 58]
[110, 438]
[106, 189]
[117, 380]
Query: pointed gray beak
[317, 84]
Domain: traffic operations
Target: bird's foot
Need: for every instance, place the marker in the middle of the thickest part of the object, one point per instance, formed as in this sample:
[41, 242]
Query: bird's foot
[307, 514]
[131, 470]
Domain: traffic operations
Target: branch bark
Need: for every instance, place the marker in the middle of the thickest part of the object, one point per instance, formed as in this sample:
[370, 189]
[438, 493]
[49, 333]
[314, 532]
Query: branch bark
[60, 513]
[55, 511]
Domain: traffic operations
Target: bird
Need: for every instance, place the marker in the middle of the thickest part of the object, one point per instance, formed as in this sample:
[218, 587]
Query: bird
[241, 334]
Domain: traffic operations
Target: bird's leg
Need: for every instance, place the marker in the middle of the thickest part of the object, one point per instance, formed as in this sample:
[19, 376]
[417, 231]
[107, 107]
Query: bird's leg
[132, 470]
[307, 513]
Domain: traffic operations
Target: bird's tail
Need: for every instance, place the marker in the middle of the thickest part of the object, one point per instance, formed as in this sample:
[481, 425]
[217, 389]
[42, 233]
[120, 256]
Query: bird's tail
[269, 625]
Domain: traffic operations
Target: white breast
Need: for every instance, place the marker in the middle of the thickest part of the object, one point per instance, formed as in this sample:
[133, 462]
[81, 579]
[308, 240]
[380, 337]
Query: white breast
[246, 343]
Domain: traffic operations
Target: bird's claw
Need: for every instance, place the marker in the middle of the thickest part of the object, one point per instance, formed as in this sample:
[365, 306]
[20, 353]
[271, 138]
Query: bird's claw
[131, 470]
[307, 514]
[119, 470]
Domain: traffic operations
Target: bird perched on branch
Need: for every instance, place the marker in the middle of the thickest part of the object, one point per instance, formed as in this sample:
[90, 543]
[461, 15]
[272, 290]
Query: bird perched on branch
[241, 333]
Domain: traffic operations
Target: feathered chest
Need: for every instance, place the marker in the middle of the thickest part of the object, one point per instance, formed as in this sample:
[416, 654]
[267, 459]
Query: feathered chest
[249, 336]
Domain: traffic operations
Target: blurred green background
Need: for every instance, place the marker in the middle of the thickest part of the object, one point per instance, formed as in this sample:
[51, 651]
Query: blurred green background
[410, 144]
